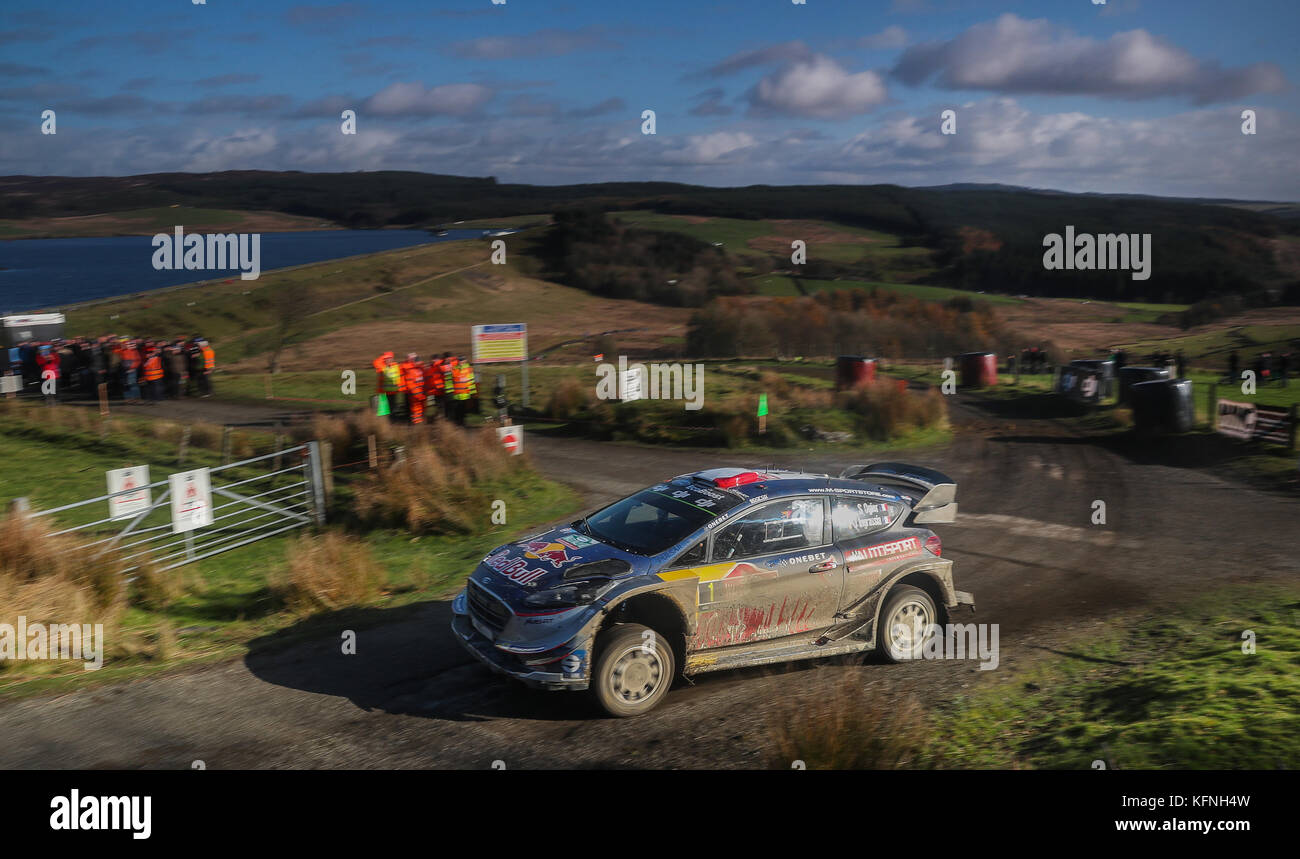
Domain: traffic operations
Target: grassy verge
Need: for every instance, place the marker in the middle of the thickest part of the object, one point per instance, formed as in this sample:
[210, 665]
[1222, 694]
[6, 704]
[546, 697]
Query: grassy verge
[1167, 691]
[802, 409]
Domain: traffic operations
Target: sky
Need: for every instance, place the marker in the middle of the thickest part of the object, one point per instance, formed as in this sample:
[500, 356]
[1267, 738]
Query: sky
[1131, 96]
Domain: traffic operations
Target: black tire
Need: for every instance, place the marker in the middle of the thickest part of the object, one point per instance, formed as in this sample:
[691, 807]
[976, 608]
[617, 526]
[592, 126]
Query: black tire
[905, 605]
[633, 671]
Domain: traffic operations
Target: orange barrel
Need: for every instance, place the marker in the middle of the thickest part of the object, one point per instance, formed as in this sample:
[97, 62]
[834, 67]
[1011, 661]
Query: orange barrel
[854, 371]
[978, 369]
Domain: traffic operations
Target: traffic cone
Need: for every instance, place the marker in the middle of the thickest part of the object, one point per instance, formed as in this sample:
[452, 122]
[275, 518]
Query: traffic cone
[382, 410]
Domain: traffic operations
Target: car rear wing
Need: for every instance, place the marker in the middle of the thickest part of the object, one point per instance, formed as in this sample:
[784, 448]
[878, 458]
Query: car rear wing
[938, 504]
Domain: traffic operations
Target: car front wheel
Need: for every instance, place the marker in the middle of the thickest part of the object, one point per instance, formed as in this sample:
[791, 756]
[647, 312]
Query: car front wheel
[634, 669]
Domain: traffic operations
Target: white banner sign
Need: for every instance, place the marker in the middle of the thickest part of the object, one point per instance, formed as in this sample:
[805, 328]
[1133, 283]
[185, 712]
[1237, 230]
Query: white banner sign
[129, 503]
[191, 500]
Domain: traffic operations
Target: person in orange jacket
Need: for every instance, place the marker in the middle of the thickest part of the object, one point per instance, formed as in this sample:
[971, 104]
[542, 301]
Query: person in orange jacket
[449, 362]
[435, 385]
[413, 382]
[153, 376]
[130, 365]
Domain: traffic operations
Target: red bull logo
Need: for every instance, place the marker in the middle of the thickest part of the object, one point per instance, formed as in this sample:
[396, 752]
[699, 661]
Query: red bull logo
[553, 553]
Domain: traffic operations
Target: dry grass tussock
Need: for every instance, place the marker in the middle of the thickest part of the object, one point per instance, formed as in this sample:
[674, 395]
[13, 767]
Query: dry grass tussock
[437, 487]
[844, 726]
[326, 572]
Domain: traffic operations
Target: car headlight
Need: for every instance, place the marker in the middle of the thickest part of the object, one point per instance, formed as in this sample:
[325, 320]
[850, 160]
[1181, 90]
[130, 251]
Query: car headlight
[578, 593]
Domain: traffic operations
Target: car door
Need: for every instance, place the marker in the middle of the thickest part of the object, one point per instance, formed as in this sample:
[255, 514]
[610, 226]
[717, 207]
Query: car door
[772, 571]
[859, 524]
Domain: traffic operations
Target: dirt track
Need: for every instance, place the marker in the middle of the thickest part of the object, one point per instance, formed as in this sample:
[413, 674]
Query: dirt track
[1024, 545]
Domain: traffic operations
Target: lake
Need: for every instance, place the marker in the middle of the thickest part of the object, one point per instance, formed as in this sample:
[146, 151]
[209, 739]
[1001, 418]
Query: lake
[54, 273]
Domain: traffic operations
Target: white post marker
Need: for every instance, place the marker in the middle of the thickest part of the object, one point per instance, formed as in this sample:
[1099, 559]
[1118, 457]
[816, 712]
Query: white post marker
[128, 504]
[191, 500]
[632, 389]
[512, 438]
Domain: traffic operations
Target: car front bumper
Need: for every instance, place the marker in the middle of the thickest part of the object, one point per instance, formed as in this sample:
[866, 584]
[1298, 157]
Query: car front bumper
[503, 663]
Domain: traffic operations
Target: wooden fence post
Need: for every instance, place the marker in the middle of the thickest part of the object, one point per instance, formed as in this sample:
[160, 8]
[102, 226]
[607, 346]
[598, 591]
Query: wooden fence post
[185, 445]
[327, 470]
[225, 445]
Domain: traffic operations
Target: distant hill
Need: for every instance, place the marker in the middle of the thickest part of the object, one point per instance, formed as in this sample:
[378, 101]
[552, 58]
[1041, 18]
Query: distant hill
[985, 237]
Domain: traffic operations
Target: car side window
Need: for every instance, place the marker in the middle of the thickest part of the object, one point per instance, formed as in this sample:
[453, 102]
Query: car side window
[794, 523]
[856, 517]
[693, 555]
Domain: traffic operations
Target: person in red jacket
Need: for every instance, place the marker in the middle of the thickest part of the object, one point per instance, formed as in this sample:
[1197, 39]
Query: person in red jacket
[47, 365]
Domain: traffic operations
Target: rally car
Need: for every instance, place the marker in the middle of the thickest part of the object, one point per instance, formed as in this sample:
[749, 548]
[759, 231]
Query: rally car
[714, 570]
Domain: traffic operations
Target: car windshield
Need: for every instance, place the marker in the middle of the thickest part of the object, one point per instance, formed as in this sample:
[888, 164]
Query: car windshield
[657, 518]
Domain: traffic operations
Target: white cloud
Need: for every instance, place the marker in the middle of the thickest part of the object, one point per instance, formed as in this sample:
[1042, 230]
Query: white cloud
[817, 88]
[1015, 55]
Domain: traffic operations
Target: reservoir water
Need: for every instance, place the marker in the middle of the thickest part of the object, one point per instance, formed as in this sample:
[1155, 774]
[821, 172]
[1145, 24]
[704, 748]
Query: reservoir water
[54, 273]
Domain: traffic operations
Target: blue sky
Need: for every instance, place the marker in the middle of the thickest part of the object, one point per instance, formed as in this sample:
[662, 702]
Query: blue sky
[1134, 95]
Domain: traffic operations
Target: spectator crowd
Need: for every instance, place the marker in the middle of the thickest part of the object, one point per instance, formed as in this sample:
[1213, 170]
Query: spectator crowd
[132, 369]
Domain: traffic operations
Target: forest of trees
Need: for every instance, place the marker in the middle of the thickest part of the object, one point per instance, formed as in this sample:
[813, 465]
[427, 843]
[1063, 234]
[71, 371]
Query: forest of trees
[585, 249]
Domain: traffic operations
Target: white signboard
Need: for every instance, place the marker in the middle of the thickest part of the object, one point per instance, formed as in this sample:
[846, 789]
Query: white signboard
[1237, 419]
[128, 504]
[33, 319]
[512, 438]
[11, 384]
[495, 344]
[191, 500]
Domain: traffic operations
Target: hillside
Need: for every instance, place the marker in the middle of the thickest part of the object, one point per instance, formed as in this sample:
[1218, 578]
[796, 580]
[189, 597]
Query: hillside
[980, 238]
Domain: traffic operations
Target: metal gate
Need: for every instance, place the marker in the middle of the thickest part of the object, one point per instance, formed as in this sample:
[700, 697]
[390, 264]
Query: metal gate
[251, 500]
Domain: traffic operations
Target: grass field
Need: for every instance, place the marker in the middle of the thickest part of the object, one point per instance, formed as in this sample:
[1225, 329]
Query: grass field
[825, 240]
[912, 290]
[1173, 690]
[162, 219]
[1211, 348]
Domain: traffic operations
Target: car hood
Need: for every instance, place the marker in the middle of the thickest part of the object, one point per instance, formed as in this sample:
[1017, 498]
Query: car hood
[544, 560]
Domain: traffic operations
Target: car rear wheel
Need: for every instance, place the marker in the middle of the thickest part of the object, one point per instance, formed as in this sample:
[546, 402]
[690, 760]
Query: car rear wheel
[905, 622]
[634, 669]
